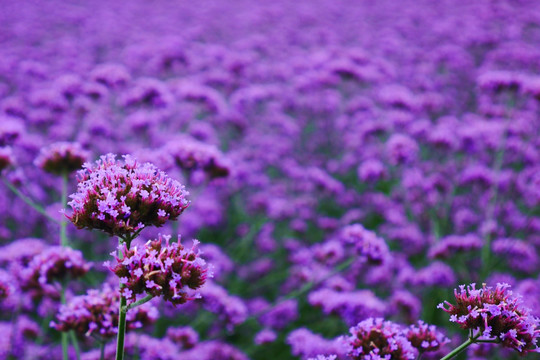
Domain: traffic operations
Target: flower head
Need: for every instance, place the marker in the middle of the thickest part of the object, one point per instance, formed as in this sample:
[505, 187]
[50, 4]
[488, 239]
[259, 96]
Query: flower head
[96, 313]
[366, 242]
[53, 265]
[379, 339]
[62, 158]
[191, 154]
[122, 197]
[497, 313]
[425, 337]
[6, 158]
[167, 270]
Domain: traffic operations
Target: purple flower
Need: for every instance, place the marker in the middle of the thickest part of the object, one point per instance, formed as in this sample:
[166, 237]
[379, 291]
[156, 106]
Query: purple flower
[6, 158]
[122, 197]
[61, 158]
[51, 266]
[497, 313]
[161, 269]
[352, 306]
[453, 244]
[375, 338]
[96, 313]
[424, 337]
[306, 344]
[366, 243]
[401, 149]
[186, 337]
[265, 336]
[191, 154]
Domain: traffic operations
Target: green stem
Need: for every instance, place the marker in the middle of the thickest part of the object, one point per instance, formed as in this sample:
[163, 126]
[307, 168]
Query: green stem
[102, 351]
[64, 335]
[121, 330]
[65, 346]
[461, 348]
[75, 344]
[29, 201]
[63, 223]
[121, 313]
[145, 299]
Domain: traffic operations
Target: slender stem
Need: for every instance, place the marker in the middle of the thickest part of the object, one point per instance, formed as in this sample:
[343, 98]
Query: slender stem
[490, 211]
[462, 347]
[64, 335]
[63, 223]
[75, 344]
[102, 351]
[28, 201]
[65, 343]
[145, 299]
[121, 313]
[121, 330]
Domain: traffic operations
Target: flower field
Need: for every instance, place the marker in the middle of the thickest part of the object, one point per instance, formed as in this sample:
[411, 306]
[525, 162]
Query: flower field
[233, 180]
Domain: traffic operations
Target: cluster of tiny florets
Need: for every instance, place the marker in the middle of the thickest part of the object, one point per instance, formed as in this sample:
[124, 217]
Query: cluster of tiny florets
[497, 313]
[52, 266]
[6, 158]
[96, 314]
[191, 154]
[374, 339]
[62, 158]
[161, 269]
[367, 244]
[122, 197]
[424, 337]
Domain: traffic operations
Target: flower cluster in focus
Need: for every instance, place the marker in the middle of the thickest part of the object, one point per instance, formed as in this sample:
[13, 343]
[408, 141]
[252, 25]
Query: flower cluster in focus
[161, 269]
[122, 197]
[497, 313]
[374, 339]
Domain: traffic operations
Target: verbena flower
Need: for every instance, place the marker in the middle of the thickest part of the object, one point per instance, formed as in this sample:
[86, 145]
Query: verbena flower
[185, 336]
[424, 337]
[96, 314]
[375, 338]
[122, 197]
[497, 313]
[53, 265]
[161, 269]
[62, 158]
[191, 154]
[6, 158]
[366, 243]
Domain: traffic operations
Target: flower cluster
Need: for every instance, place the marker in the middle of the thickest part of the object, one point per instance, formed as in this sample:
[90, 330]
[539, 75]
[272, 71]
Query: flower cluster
[122, 197]
[51, 266]
[62, 158]
[161, 269]
[366, 243]
[424, 337]
[191, 154]
[6, 285]
[497, 314]
[96, 314]
[6, 158]
[374, 339]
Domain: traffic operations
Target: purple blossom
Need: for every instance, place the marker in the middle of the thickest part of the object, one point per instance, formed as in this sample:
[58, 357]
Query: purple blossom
[61, 158]
[497, 313]
[375, 338]
[110, 187]
[168, 269]
[96, 313]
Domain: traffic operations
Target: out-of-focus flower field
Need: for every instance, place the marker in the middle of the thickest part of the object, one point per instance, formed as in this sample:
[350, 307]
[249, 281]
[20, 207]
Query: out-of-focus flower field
[345, 165]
